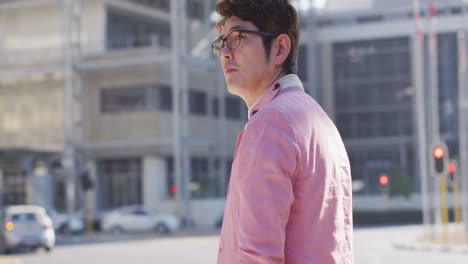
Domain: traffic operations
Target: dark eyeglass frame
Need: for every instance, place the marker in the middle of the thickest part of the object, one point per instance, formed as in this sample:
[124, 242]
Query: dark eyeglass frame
[216, 48]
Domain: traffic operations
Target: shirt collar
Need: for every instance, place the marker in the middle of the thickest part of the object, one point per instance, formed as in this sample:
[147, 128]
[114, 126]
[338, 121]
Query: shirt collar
[285, 82]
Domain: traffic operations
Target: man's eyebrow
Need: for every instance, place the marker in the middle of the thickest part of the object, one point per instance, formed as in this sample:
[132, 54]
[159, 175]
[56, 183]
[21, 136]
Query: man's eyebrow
[235, 27]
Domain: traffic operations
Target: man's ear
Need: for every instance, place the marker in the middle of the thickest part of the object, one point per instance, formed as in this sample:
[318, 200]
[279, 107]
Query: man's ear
[280, 49]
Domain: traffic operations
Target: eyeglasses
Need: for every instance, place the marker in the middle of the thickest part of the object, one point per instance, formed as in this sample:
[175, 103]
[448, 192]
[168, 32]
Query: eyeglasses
[233, 40]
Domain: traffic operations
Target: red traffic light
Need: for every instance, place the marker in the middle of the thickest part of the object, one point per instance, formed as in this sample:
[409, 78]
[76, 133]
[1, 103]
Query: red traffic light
[172, 189]
[383, 180]
[452, 168]
[438, 152]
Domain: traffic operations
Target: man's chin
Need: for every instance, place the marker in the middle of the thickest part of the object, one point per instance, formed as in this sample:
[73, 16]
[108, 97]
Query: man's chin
[232, 89]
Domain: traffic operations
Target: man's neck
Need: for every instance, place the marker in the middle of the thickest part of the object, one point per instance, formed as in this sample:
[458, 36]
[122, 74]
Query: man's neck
[254, 97]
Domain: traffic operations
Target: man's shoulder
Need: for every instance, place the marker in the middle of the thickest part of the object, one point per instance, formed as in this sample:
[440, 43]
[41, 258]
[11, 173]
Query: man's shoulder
[294, 104]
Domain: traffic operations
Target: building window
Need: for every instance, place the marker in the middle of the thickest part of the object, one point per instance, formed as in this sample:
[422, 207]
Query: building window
[123, 100]
[15, 181]
[135, 99]
[448, 82]
[128, 31]
[371, 93]
[165, 98]
[197, 102]
[170, 179]
[156, 4]
[215, 107]
[228, 169]
[302, 63]
[345, 125]
[233, 108]
[120, 182]
[195, 10]
[205, 184]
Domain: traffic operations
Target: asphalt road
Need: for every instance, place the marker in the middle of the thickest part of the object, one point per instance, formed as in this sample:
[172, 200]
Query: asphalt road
[372, 246]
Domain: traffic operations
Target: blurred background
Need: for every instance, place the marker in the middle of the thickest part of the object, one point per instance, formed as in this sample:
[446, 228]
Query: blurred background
[115, 118]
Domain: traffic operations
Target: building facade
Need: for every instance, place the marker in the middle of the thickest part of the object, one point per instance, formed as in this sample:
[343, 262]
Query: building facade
[122, 72]
[369, 65]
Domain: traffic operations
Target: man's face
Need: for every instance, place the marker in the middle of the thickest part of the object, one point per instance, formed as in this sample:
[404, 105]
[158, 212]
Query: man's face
[245, 68]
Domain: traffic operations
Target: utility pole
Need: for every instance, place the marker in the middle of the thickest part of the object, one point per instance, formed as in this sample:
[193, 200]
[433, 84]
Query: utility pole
[418, 84]
[463, 120]
[180, 107]
[312, 76]
[72, 100]
[433, 105]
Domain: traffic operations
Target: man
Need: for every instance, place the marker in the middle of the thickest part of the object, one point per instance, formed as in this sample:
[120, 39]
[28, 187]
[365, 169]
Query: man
[289, 195]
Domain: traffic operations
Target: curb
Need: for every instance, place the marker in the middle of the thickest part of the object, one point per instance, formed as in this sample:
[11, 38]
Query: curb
[430, 247]
[105, 237]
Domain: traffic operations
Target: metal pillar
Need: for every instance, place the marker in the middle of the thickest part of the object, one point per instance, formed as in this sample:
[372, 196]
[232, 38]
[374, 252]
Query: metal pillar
[72, 99]
[462, 125]
[432, 108]
[420, 117]
[180, 108]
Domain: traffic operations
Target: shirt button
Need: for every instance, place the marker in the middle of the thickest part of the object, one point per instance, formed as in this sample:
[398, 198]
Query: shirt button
[277, 86]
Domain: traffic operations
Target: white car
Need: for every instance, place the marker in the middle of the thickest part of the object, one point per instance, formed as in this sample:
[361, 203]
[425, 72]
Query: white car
[27, 226]
[138, 219]
[62, 224]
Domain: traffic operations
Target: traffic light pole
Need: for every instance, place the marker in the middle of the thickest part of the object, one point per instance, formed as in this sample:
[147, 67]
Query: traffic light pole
[433, 106]
[462, 125]
[454, 182]
[444, 207]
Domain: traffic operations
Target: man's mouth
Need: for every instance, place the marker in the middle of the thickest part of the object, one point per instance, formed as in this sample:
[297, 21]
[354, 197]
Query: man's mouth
[231, 70]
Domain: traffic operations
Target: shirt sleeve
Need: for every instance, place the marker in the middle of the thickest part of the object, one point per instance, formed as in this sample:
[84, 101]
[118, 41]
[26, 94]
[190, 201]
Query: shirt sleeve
[267, 160]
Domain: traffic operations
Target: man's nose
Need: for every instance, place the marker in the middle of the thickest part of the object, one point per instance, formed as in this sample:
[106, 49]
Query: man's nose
[226, 53]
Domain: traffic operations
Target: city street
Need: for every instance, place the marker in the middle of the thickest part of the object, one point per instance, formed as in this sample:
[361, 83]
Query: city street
[372, 246]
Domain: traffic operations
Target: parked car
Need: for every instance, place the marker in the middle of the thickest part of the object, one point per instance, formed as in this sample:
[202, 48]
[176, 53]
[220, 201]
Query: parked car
[63, 225]
[27, 226]
[138, 219]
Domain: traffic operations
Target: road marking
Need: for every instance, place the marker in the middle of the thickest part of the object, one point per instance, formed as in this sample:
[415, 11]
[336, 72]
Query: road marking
[10, 260]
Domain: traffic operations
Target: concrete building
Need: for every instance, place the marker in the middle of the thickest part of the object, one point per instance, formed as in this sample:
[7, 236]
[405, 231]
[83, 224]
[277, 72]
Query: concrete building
[371, 65]
[122, 78]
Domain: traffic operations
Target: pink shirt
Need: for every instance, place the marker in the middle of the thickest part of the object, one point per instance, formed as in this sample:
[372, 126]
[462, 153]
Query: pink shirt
[289, 197]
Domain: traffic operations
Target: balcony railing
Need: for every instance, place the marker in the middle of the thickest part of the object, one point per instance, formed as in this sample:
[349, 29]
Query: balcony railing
[33, 56]
[141, 41]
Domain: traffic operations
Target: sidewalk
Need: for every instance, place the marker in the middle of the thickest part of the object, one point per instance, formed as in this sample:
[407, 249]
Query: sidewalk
[9, 260]
[456, 242]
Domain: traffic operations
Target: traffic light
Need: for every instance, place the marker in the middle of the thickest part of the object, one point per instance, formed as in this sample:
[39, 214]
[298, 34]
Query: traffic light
[452, 170]
[172, 189]
[439, 159]
[383, 180]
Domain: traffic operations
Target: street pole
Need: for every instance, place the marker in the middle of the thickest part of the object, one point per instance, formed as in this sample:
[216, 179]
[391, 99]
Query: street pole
[176, 106]
[69, 149]
[444, 207]
[180, 108]
[419, 106]
[462, 125]
[433, 105]
[312, 76]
